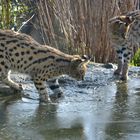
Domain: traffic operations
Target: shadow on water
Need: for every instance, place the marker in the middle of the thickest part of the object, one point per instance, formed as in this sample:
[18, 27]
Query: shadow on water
[124, 123]
[54, 130]
[99, 108]
[115, 128]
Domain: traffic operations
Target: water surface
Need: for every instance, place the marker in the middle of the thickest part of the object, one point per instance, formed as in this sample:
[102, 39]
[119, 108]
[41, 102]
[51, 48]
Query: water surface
[98, 108]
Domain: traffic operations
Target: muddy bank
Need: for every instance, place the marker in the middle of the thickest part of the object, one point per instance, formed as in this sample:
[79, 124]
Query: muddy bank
[98, 108]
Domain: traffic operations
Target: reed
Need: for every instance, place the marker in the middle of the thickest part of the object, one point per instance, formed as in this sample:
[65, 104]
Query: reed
[79, 26]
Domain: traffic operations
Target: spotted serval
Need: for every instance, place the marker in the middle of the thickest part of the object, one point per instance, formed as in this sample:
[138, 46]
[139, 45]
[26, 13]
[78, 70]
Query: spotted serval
[19, 52]
[124, 31]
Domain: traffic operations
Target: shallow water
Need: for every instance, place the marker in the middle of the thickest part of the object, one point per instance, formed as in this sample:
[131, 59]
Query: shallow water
[98, 108]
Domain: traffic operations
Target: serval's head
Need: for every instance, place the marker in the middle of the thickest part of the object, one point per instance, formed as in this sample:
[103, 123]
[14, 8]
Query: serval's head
[118, 28]
[78, 67]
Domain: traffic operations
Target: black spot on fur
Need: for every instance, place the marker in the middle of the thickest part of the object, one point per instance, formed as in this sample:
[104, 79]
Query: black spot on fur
[43, 51]
[1, 50]
[28, 52]
[38, 83]
[22, 53]
[2, 45]
[12, 59]
[40, 61]
[15, 48]
[41, 88]
[62, 60]
[43, 79]
[6, 67]
[119, 51]
[11, 41]
[6, 57]
[10, 54]
[35, 52]
[1, 56]
[32, 48]
[24, 44]
[3, 38]
[125, 55]
[16, 54]
[30, 58]
[2, 63]
[123, 49]
[10, 50]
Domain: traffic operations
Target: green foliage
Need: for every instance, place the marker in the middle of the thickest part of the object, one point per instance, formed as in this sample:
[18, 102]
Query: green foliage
[13, 13]
[136, 59]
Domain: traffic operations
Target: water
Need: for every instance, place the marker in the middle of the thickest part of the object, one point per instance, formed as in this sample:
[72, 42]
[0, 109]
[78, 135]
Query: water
[99, 108]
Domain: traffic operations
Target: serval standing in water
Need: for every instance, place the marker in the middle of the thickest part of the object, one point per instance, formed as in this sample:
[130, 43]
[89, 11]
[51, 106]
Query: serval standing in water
[125, 33]
[19, 52]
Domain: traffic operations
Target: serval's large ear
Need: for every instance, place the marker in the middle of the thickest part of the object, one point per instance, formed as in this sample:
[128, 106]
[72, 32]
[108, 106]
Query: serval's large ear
[85, 60]
[126, 19]
[122, 20]
[80, 61]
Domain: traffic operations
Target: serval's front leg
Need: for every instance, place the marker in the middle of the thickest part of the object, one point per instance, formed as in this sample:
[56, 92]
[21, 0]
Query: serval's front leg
[127, 58]
[55, 87]
[120, 62]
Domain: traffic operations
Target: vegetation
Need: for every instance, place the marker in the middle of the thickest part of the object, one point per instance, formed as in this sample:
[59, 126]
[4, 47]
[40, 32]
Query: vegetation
[136, 59]
[74, 26]
[13, 13]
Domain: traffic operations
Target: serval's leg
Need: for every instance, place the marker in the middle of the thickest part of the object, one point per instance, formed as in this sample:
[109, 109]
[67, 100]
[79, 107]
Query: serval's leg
[127, 58]
[42, 90]
[55, 87]
[120, 62]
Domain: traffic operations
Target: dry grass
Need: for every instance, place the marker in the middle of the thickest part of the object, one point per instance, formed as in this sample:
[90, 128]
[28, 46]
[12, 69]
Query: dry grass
[80, 26]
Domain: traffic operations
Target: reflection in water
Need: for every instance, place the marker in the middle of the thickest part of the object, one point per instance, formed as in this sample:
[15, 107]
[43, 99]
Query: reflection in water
[108, 113]
[2, 114]
[116, 127]
[122, 92]
[50, 127]
[4, 102]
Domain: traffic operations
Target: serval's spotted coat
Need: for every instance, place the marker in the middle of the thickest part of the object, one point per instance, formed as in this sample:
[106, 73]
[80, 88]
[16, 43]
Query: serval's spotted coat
[19, 52]
[125, 33]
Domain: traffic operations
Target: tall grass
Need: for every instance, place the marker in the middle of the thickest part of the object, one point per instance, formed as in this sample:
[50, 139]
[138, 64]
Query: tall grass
[79, 26]
[12, 13]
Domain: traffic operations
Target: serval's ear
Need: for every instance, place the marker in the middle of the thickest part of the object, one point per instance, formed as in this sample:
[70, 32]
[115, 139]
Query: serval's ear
[85, 58]
[80, 61]
[126, 19]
